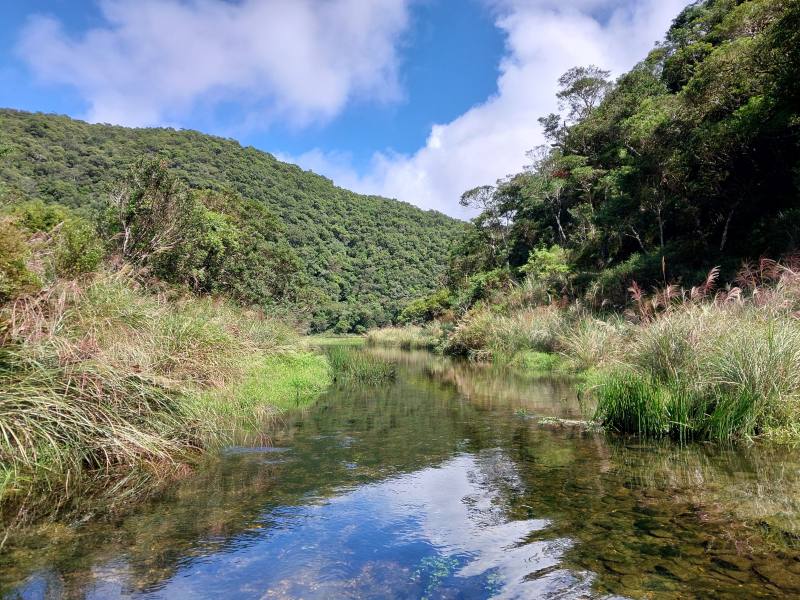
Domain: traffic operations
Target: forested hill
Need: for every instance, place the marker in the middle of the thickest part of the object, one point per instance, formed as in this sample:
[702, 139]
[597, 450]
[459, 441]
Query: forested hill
[365, 256]
[690, 160]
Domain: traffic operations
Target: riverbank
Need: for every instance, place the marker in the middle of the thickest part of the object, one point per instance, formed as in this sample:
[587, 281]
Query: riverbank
[101, 378]
[357, 484]
[688, 364]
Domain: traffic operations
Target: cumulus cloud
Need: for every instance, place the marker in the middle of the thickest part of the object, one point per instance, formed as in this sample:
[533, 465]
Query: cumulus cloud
[544, 38]
[154, 60]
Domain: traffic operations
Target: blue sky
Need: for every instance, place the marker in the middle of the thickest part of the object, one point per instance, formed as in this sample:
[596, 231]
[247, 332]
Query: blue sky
[415, 99]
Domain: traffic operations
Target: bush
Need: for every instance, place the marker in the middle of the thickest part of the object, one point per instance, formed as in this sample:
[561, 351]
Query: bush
[15, 276]
[549, 268]
[78, 249]
[35, 216]
[426, 309]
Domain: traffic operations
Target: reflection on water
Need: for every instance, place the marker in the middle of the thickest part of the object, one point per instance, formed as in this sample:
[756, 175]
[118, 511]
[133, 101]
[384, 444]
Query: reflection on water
[437, 486]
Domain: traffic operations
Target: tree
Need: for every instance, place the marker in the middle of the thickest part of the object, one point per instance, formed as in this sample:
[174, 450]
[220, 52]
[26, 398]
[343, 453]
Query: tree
[153, 211]
[581, 89]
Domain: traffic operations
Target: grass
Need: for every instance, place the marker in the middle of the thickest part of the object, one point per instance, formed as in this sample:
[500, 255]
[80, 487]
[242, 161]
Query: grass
[324, 340]
[711, 372]
[412, 337]
[353, 365]
[689, 364]
[271, 385]
[537, 362]
[101, 378]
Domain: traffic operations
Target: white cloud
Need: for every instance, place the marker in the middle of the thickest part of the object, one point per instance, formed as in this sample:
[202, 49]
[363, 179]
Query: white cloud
[302, 61]
[544, 38]
[154, 60]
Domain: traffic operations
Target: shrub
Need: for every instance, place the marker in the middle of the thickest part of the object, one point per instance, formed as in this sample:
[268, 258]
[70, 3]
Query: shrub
[426, 309]
[36, 216]
[78, 249]
[549, 268]
[15, 276]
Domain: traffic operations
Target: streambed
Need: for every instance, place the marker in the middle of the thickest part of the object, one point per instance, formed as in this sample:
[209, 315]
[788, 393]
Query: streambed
[453, 481]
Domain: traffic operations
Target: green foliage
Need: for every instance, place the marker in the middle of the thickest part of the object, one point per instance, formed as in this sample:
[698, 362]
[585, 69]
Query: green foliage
[78, 249]
[356, 365]
[688, 160]
[35, 216]
[59, 236]
[548, 267]
[349, 262]
[426, 309]
[15, 276]
[482, 286]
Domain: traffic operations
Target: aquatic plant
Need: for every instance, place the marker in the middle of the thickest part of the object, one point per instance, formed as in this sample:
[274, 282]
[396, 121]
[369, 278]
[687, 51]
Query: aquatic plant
[411, 337]
[350, 364]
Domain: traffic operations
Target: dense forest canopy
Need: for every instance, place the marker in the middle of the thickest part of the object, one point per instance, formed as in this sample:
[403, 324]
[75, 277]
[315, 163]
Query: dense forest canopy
[690, 160]
[349, 261]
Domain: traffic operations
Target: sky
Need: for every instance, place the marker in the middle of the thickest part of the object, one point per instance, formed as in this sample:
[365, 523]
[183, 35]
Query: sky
[417, 100]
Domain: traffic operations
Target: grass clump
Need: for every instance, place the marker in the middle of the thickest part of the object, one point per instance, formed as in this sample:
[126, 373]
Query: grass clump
[531, 360]
[271, 384]
[353, 365]
[101, 377]
[716, 370]
[484, 333]
[412, 337]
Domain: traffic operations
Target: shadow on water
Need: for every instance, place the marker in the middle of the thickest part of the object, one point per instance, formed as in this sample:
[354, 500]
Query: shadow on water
[438, 485]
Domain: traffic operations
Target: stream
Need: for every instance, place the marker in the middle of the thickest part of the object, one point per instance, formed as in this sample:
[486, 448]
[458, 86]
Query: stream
[453, 481]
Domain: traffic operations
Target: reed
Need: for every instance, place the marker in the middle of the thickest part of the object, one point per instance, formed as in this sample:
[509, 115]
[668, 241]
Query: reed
[354, 365]
[411, 337]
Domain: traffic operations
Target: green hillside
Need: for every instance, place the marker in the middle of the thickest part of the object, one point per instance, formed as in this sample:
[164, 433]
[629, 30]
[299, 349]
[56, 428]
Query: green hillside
[690, 160]
[365, 256]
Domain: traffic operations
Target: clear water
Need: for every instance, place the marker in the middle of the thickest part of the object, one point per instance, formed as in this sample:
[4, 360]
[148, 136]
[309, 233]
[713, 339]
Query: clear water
[443, 484]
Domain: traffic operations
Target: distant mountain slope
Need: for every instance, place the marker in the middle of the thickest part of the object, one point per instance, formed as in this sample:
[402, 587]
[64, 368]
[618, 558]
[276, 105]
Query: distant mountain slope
[367, 254]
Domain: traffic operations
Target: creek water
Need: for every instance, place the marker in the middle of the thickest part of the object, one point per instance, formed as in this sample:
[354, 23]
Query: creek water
[453, 481]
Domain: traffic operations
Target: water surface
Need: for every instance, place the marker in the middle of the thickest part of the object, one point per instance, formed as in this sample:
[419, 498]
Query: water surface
[446, 483]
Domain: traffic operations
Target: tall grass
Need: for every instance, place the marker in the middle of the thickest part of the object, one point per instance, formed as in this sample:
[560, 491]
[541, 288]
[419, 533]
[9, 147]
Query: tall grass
[412, 337]
[721, 368]
[355, 365]
[704, 363]
[100, 378]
